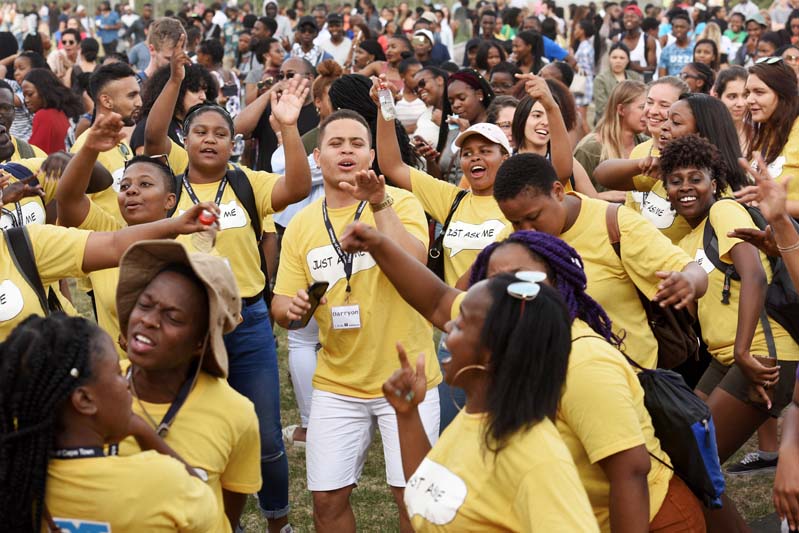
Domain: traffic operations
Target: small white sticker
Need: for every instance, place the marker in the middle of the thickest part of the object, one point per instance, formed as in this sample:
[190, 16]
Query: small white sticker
[346, 317]
[703, 261]
[11, 301]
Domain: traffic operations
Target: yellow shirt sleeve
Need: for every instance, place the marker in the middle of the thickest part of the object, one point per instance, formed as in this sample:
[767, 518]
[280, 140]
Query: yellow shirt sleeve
[645, 250]
[291, 275]
[725, 216]
[189, 500]
[598, 406]
[58, 251]
[242, 474]
[98, 219]
[178, 158]
[435, 195]
[262, 185]
[268, 224]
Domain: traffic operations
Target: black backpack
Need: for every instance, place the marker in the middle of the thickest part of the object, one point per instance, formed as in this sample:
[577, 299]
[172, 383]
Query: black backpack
[782, 301]
[242, 188]
[684, 426]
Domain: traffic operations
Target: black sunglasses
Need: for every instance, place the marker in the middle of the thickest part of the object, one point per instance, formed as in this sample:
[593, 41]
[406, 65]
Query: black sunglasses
[67, 42]
[161, 160]
[420, 85]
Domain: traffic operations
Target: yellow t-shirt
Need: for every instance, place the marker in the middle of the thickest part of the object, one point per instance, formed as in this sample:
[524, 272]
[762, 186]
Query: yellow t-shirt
[602, 413]
[650, 199]
[114, 162]
[178, 158]
[236, 240]
[58, 253]
[476, 223]
[719, 322]
[216, 431]
[16, 156]
[104, 282]
[787, 163]
[144, 492]
[612, 281]
[531, 485]
[356, 362]
[31, 208]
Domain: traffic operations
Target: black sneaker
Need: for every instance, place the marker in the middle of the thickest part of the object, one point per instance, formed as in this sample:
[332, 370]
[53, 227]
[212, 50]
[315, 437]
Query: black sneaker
[752, 463]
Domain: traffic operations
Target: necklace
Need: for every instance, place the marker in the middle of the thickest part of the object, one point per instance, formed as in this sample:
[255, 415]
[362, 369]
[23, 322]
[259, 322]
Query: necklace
[150, 419]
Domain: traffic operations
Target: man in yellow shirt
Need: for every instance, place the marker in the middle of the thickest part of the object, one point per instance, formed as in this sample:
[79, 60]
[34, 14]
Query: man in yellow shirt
[115, 90]
[360, 319]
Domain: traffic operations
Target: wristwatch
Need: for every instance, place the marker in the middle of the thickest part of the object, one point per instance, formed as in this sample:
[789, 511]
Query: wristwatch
[388, 201]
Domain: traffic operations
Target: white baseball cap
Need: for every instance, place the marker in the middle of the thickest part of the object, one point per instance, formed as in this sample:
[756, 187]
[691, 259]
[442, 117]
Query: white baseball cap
[427, 34]
[492, 132]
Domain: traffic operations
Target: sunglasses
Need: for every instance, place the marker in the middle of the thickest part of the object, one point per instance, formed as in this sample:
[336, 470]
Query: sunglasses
[287, 75]
[687, 76]
[527, 288]
[768, 60]
[307, 29]
[507, 86]
[791, 58]
[420, 85]
[505, 124]
[68, 42]
[160, 160]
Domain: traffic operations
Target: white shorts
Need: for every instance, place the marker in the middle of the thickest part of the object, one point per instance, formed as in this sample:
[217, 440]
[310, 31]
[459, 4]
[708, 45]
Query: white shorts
[340, 431]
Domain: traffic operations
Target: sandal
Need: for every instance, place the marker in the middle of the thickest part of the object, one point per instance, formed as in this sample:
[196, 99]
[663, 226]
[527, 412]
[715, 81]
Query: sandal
[288, 436]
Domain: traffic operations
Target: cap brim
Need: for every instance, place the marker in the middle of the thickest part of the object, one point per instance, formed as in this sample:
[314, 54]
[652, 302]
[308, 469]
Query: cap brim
[140, 264]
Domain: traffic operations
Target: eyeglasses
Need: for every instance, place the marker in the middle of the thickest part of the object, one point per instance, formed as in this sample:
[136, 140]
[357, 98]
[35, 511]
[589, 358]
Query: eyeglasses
[507, 86]
[160, 159]
[505, 124]
[527, 288]
[768, 60]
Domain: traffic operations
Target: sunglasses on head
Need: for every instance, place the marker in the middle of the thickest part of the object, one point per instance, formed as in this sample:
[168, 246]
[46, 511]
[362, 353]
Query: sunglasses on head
[160, 160]
[768, 60]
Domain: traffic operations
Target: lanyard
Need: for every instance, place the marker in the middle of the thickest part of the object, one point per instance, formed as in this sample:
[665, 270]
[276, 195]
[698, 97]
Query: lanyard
[331, 233]
[83, 452]
[177, 403]
[17, 221]
[219, 192]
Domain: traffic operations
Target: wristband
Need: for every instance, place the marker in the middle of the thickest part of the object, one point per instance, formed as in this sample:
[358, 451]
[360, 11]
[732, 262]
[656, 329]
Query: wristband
[787, 249]
[388, 201]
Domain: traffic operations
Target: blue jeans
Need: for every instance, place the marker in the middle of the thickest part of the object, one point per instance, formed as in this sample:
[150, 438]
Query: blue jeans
[254, 374]
[447, 394]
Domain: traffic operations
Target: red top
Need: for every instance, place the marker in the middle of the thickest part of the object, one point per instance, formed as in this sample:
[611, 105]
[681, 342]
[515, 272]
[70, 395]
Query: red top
[50, 127]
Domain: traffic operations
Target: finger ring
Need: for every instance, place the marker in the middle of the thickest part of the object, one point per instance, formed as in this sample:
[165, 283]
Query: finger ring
[409, 396]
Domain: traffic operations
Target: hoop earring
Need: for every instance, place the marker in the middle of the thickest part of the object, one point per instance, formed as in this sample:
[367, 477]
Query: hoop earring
[454, 379]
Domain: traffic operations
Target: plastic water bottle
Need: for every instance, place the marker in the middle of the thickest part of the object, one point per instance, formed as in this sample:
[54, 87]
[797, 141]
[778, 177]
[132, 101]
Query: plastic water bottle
[386, 103]
[453, 125]
[203, 241]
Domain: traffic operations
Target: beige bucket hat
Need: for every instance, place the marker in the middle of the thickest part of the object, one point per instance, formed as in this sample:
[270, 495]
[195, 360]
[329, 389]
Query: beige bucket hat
[145, 259]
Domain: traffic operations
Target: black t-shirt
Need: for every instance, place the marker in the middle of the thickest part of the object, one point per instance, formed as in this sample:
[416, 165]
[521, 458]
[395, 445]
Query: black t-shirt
[267, 141]
[137, 137]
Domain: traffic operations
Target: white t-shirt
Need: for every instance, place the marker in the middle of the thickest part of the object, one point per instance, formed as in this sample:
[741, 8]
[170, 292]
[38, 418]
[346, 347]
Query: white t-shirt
[339, 51]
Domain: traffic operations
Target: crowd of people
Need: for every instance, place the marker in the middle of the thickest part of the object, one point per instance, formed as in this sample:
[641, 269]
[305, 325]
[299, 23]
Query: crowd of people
[465, 217]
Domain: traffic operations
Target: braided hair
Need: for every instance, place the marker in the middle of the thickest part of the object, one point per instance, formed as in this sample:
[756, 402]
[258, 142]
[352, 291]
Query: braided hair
[41, 363]
[565, 270]
[351, 91]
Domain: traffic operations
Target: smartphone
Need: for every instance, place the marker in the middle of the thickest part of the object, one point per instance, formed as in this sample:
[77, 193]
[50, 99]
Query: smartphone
[315, 292]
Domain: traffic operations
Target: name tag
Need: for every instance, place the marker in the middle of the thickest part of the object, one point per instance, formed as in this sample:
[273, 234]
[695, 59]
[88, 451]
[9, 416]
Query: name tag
[346, 317]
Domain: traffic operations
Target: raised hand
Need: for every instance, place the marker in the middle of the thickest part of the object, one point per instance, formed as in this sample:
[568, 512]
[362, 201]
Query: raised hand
[763, 240]
[770, 196]
[537, 88]
[381, 82]
[359, 237]
[406, 388]
[287, 108]
[22, 189]
[368, 187]
[106, 133]
[179, 61]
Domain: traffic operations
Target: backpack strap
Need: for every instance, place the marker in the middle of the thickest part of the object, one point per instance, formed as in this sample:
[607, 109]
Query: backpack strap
[25, 150]
[454, 207]
[612, 224]
[21, 251]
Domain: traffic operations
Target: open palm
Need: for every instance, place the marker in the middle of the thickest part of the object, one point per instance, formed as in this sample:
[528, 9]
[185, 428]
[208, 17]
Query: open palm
[287, 109]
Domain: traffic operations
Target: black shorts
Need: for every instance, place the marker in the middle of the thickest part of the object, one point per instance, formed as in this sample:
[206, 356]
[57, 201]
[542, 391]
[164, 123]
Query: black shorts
[732, 380]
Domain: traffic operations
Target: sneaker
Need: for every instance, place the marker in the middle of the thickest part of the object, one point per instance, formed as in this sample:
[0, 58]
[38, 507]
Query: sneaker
[288, 436]
[752, 463]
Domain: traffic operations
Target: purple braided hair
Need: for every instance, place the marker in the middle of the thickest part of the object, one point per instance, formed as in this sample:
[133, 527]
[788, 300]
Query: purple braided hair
[565, 269]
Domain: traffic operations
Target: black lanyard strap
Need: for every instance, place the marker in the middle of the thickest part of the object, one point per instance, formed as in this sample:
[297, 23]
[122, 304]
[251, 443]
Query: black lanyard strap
[16, 221]
[82, 452]
[219, 192]
[345, 258]
[177, 403]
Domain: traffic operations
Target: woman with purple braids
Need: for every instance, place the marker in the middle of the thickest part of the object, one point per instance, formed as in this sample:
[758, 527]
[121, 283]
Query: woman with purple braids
[601, 417]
